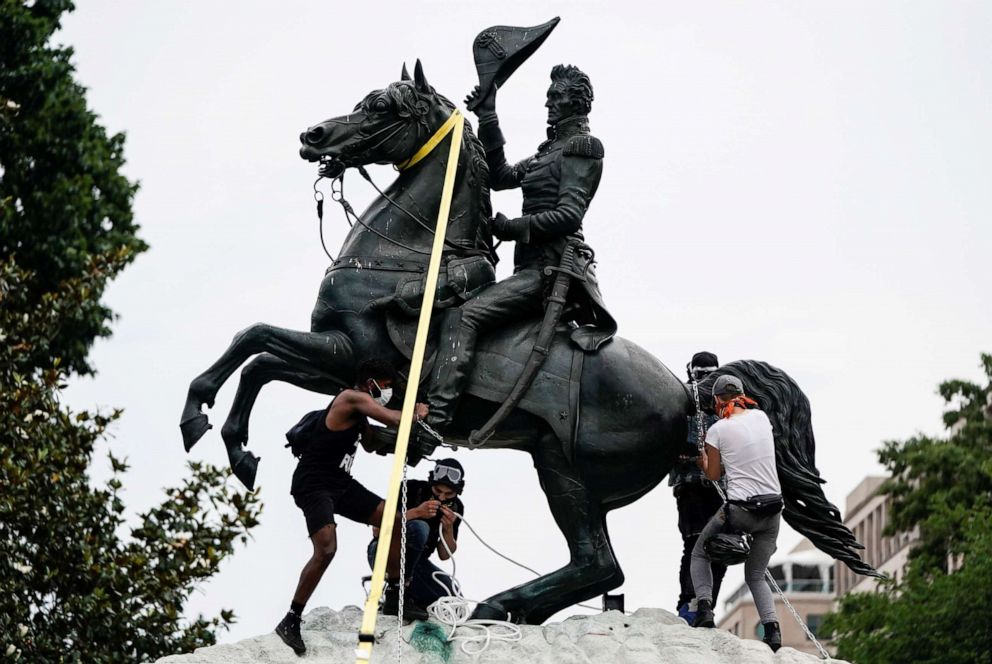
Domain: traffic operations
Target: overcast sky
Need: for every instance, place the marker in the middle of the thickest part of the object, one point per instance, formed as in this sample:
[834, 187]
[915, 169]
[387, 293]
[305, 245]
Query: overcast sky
[802, 183]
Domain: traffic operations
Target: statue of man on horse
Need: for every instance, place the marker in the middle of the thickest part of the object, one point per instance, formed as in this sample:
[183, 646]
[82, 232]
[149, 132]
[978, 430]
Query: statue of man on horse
[603, 422]
[558, 184]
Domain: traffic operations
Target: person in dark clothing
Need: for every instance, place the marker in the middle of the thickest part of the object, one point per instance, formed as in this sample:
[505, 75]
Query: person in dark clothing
[438, 501]
[695, 497]
[326, 442]
[558, 184]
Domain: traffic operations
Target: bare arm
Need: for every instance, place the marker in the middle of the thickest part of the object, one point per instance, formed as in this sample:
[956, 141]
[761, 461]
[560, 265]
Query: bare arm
[424, 510]
[355, 405]
[447, 534]
[709, 463]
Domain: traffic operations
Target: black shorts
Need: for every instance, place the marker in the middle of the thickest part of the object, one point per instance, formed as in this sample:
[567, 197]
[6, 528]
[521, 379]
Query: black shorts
[347, 498]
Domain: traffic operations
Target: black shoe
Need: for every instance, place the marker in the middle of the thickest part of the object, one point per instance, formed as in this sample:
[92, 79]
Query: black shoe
[422, 444]
[289, 631]
[773, 635]
[704, 614]
[391, 605]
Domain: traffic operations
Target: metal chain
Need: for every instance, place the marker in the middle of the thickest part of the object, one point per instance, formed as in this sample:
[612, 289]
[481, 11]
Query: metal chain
[700, 429]
[337, 195]
[318, 196]
[402, 589]
[802, 623]
[430, 430]
[768, 574]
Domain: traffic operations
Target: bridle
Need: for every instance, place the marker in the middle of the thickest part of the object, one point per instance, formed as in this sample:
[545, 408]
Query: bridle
[331, 165]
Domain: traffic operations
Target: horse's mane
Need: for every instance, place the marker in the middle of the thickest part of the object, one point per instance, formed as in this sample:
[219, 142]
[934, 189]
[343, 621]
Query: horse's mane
[480, 167]
[413, 103]
[807, 510]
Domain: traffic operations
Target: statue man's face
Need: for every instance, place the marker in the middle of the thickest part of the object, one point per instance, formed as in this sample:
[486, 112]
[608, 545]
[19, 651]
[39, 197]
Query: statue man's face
[560, 106]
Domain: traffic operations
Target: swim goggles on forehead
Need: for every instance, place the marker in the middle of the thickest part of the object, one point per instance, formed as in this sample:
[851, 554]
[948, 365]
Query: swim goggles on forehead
[447, 472]
[701, 372]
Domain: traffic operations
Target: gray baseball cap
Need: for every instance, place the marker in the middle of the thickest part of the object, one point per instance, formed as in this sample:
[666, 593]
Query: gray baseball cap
[727, 385]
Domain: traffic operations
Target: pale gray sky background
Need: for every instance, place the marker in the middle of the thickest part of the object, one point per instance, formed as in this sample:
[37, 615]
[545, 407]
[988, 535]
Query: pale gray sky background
[803, 183]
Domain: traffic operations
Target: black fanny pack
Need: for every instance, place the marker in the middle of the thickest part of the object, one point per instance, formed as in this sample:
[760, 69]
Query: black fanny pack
[767, 504]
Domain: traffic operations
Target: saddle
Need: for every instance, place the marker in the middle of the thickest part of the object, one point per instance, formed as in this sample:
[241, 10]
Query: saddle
[501, 357]
[510, 361]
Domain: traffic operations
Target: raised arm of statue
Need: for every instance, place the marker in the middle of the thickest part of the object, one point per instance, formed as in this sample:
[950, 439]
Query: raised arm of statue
[502, 175]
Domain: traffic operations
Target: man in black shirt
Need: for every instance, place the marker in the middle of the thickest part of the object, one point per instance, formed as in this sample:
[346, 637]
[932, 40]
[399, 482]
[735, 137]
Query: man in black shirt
[696, 498]
[326, 442]
[432, 526]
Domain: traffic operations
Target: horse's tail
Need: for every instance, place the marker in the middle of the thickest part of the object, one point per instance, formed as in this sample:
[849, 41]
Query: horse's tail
[807, 510]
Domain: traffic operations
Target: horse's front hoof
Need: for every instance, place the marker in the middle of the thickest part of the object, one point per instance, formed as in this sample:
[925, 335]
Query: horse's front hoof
[193, 429]
[245, 469]
[490, 610]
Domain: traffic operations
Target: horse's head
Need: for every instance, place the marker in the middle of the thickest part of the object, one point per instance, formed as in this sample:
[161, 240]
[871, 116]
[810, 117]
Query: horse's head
[387, 127]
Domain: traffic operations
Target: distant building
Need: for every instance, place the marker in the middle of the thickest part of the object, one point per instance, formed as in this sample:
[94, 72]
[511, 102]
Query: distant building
[867, 515]
[813, 581]
[806, 576]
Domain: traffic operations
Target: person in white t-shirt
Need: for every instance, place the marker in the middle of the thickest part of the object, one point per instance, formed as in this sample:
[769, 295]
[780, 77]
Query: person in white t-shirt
[743, 443]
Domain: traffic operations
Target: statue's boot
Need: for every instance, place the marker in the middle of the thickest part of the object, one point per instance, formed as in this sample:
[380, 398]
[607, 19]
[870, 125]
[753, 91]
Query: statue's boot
[455, 352]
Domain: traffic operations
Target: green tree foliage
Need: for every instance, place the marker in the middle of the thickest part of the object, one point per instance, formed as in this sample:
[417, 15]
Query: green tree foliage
[79, 582]
[939, 612]
[63, 198]
[76, 587]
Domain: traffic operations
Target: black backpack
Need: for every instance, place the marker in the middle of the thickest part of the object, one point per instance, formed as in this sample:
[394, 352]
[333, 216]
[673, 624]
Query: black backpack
[301, 434]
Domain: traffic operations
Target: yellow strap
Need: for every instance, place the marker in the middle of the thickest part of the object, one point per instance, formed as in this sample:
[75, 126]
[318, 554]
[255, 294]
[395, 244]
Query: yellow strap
[364, 651]
[433, 141]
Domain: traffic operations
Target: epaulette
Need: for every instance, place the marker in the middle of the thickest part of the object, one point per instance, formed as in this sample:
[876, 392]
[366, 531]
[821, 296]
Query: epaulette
[584, 146]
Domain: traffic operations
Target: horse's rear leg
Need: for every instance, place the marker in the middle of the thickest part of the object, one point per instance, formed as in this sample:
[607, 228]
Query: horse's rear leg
[329, 350]
[261, 370]
[592, 569]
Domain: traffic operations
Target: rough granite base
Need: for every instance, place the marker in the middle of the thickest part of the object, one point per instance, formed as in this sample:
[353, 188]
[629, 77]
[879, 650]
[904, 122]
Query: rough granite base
[647, 636]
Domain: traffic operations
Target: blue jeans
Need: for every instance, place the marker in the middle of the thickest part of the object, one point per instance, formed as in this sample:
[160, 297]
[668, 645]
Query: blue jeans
[423, 588]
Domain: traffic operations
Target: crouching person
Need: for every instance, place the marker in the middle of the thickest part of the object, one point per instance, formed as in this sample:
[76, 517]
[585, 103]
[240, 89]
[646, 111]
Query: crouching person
[432, 526]
[742, 441]
[326, 442]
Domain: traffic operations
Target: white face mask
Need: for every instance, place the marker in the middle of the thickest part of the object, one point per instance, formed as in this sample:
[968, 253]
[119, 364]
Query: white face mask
[384, 394]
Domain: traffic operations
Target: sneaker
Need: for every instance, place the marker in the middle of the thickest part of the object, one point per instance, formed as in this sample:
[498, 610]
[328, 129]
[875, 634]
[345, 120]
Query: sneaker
[289, 631]
[686, 614]
[391, 605]
[773, 635]
[704, 614]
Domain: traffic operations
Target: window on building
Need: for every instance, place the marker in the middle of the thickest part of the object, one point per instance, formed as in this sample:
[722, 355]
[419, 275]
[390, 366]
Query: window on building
[831, 581]
[806, 578]
[815, 622]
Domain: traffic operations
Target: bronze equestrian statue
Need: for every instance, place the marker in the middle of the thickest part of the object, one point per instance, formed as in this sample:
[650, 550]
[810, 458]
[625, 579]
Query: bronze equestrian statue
[603, 420]
[558, 184]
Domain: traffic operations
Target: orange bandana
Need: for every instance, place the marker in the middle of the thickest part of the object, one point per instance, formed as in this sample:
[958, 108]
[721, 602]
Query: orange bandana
[737, 402]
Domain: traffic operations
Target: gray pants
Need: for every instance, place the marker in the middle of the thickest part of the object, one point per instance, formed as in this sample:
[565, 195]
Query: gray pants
[764, 530]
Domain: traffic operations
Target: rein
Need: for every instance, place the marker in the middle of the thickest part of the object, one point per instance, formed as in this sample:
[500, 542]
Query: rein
[337, 193]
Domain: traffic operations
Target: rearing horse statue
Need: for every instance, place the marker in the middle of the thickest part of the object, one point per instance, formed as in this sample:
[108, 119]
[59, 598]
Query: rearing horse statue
[603, 428]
